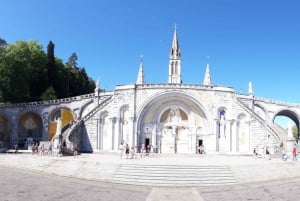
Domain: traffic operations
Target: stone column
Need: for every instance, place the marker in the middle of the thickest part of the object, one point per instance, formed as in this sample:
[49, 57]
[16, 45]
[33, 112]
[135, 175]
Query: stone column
[112, 130]
[14, 131]
[117, 133]
[190, 140]
[153, 140]
[237, 130]
[101, 133]
[134, 132]
[216, 133]
[233, 136]
[98, 134]
[249, 135]
[130, 131]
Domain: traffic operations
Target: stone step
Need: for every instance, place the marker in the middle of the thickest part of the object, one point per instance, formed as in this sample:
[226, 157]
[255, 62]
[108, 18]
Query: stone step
[173, 175]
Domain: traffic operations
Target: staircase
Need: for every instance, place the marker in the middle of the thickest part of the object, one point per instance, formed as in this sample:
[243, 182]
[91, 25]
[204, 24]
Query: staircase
[174, 175]
[267, 125]
[70, 135]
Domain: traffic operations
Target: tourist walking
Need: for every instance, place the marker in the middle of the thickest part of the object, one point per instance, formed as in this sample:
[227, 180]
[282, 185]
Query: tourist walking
[127, 150]
[255, 153]
[59, 152]
[132, 152]
[42, 150]
[284, 156]
[33, 148]
[49, 152]
[268, 154]
[294, 151]
[143, 150]
[16, 148]
[122, 149]
[75, 151]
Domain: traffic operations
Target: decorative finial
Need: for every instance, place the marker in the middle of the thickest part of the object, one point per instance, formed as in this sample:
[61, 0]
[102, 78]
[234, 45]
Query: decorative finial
[175, 26]
[142, 58]
[207, 59]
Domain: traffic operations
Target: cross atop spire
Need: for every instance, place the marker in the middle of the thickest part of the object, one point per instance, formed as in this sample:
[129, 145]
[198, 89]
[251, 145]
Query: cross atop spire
[140, 77]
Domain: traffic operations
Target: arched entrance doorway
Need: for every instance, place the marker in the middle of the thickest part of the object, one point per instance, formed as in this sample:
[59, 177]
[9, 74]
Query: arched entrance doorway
[171, 123]
[30, 129]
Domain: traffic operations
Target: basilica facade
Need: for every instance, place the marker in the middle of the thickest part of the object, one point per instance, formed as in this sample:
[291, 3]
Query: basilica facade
[177, 118]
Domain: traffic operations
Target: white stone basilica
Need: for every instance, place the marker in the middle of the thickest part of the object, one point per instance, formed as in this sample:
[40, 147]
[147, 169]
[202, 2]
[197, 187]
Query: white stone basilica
[177, 118]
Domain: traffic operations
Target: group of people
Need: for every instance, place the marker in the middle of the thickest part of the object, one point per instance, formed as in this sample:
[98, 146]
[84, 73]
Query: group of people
[294, 153]
[41, 149]
[47, 149]
[266, 153]
[133, 151]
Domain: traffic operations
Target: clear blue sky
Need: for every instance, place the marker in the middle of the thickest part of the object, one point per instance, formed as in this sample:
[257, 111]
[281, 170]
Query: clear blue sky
[247, 40]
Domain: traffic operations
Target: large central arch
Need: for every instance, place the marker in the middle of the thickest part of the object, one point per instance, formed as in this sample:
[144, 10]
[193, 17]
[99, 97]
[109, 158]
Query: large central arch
[171, 121]
[292, 115]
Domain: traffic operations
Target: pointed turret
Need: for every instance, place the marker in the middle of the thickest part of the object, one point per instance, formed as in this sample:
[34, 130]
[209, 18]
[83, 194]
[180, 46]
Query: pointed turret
[140, 77]
[207, 80]
[175, 49]
[175, 61]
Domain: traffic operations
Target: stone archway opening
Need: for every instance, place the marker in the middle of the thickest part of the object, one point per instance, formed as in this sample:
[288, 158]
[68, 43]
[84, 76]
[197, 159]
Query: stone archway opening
[287, 123]
[171, 123]
[65, 116]
[30, 129]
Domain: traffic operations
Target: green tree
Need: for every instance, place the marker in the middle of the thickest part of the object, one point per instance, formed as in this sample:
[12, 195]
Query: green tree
[13, 73]
[38, 81]
[295, 132]
[78, 81]
[51, 63]
[22, 71]
[2, 42]
[27, 73]
[61, 84]
[49, 94]
[72, 62]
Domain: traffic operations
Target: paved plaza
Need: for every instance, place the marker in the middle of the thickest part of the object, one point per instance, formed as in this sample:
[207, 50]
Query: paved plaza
[253, 178]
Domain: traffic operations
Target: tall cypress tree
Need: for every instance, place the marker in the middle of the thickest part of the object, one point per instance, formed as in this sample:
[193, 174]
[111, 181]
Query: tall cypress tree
[2, 42]
[51, 64]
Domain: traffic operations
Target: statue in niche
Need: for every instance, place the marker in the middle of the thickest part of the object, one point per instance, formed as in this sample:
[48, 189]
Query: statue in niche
[58, 126]
[30, 124]
[250, 89]
[174, 115]
[222, 124]
[97, 84]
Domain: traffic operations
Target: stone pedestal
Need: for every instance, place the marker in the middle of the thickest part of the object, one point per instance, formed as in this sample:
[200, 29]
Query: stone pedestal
[56, 142]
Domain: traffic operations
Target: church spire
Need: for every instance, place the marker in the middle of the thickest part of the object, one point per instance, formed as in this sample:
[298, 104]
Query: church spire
[140, 77]
[207, 79]
[175, 61]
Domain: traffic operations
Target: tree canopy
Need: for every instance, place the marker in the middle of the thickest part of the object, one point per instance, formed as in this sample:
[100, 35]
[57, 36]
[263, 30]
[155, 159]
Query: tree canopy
[27, 73]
